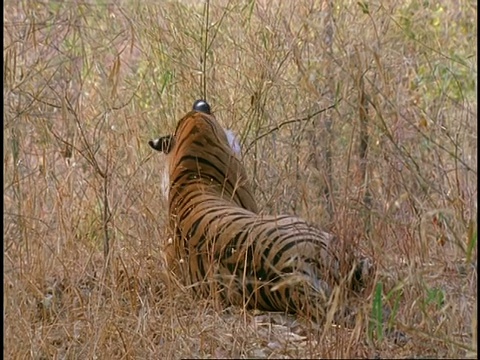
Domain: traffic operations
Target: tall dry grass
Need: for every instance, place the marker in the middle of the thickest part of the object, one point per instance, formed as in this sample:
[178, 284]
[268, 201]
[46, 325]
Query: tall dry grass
[358, 116]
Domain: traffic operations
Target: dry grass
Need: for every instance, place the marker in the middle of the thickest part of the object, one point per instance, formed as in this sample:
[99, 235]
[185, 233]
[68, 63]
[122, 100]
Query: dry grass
[392, 167]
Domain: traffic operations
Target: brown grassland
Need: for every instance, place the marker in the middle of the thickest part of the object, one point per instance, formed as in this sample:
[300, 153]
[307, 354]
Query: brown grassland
[359, 116]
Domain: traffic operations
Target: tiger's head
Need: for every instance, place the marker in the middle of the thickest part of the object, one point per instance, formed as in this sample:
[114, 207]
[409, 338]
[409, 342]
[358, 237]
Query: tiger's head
[202, 152]
[165, 143]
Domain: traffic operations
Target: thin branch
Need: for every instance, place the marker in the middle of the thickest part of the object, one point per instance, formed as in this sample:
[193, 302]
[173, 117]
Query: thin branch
[205, 49]
[288, 122]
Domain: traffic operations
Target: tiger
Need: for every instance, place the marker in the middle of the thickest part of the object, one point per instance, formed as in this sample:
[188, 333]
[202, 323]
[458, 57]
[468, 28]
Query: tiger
[223, 246]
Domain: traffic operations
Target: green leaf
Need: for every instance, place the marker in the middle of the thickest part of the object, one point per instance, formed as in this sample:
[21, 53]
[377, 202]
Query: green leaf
[435, 296]
[364, 7]
[376, 320]
[472, 240]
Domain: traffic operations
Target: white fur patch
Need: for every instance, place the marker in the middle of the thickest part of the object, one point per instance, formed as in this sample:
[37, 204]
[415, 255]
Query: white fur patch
[165, 180]
[233, 141]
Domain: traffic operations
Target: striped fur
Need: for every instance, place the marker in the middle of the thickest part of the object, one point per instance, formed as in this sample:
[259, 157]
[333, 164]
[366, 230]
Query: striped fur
[223, 246]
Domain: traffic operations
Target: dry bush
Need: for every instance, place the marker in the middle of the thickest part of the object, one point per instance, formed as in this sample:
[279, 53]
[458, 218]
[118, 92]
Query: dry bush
[358, 116]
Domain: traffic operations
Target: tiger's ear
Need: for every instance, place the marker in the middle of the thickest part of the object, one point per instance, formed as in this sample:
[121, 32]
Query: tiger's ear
[163, 144]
